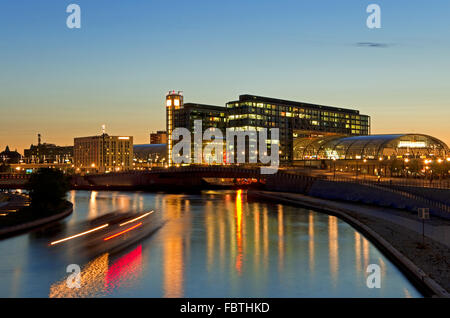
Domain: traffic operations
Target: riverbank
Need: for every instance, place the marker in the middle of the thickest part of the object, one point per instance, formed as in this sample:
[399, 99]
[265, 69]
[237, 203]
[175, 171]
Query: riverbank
[15, 224]
[396, 233]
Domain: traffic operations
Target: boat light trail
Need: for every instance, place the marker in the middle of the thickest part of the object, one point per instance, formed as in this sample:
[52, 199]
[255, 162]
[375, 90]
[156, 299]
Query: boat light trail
[138, 218]
[123, 232]
[80, 234]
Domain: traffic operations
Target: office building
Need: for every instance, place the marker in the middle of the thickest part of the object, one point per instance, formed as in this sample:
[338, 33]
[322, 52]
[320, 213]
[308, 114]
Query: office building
[158, 137]
[294, 120]
[183, 115]
[250, 112]
[103, 153]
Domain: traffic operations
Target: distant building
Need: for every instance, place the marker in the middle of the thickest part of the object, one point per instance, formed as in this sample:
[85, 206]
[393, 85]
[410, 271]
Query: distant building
[103, 153]
[10, 157]
[150, 155]
[48, 153]
[158, 137]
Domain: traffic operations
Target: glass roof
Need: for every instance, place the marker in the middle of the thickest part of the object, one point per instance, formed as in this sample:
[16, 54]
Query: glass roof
[371, 147]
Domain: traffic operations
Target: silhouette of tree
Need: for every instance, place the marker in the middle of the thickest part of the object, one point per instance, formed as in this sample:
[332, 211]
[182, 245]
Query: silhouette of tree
[5, 167]
[396, 167]
[414, 166]
[48, 189]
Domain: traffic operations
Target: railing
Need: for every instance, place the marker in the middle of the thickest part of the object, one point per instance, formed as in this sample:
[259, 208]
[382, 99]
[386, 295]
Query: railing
[383, 185]
[14, 176]
[420, 183]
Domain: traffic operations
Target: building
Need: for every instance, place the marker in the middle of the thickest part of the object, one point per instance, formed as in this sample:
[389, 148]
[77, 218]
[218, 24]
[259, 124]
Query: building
[158, 137]
[9, 157]
[48, 153]
[103, 153]
[294, 120]
[181, 115]
[373, 147]
[383, 155]
[251, 112]
[147, 156]
[44, 153]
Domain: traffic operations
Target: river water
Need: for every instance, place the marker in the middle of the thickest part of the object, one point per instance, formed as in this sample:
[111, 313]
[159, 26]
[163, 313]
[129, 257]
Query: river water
[215, 244]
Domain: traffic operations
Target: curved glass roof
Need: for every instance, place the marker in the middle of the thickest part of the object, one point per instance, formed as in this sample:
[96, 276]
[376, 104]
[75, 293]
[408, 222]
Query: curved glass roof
[370, 147]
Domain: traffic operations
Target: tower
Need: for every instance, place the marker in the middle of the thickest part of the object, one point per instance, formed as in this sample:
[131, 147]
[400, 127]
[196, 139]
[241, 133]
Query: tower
[174, 101]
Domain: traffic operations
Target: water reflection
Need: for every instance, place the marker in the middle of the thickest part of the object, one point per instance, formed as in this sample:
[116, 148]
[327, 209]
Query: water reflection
[215, 244]
[238, 220]
[311, 242]
[99, 277]
[333, 246]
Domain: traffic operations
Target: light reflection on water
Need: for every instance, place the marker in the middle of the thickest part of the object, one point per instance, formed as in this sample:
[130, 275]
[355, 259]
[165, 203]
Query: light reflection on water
[216, 244]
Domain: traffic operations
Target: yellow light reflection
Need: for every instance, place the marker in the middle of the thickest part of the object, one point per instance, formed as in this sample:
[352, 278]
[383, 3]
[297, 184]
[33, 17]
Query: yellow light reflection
[365, 252]
[333, 247]
[209, 224]
[239, 231]
[265, 238]
[358, 253]
[256, 239]
[174, 249]
[92, 281]
[93, 212]
[280, 238]
[311, 242]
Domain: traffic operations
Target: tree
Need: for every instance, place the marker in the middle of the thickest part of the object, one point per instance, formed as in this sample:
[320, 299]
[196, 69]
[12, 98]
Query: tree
[48, 189]
[440, 168]
[396, 166]
[5, 167]
[414, 166]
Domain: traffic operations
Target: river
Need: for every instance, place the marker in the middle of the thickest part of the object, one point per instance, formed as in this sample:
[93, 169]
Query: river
[215, 244]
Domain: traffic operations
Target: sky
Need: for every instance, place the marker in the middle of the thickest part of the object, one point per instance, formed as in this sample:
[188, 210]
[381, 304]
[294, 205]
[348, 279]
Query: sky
[115, 70]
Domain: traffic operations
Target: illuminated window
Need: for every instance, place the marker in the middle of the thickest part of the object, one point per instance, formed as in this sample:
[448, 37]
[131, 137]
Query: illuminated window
[169, 102]
[177, 102]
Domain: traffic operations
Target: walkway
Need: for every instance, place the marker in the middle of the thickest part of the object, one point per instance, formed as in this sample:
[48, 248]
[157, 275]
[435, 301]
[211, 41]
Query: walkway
[435, 228]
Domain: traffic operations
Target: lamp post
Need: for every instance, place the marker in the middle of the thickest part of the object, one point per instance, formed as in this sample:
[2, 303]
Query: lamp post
[364, 173]
[334, 168]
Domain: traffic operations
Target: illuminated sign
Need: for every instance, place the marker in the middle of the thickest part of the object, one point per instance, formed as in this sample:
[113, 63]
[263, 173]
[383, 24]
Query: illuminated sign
[124, 138]
[412, 144]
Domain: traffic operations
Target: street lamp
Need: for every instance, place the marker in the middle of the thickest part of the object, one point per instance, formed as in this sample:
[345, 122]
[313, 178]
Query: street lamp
[334, 168]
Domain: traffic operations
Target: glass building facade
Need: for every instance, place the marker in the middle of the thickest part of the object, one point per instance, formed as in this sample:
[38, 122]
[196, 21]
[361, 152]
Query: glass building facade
[371, 147]
[294, 120]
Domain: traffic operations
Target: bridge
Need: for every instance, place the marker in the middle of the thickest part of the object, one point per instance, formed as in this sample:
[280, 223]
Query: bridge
[191, 177]
[183, 178]
[196, 178]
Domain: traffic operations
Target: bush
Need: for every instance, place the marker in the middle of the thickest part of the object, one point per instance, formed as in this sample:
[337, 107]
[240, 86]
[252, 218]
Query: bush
[48, 189]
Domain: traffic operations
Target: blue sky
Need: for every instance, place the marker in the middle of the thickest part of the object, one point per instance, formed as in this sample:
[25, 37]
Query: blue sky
[116, 69]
